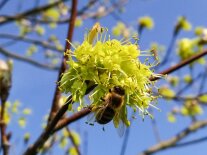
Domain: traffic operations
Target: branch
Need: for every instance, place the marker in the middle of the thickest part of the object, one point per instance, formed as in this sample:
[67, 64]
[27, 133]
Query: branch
[27, 60]
[180, 65]
[33, 150]
[44, 44]
[66, 121]
[7, 19]
[199, 140]
[172, 141]
[57, 95]
[82, 13]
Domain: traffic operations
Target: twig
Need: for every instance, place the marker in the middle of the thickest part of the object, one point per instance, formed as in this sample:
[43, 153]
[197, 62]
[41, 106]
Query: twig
[73, 141]
[3, 3]
[27, 60]
[199, 140]
[202, 84]
[155, 130]
[66, 121]
[189, 84]
[168, 52]
[7, 19]
[44, 44]
[172, 141]
[33, 150]
[180, 65]
[187, 97]
[65, 20]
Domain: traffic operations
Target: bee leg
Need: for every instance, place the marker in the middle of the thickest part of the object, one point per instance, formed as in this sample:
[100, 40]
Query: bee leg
[103, 128]
[91, 124]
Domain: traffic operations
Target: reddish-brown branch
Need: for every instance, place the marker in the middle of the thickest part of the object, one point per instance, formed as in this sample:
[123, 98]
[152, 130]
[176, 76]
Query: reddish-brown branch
[57, 94]
[180, 65]
[33, 150]
[71, 119]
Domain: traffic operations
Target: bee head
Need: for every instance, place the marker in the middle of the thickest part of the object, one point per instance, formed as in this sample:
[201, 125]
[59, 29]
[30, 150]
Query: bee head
[117, 89]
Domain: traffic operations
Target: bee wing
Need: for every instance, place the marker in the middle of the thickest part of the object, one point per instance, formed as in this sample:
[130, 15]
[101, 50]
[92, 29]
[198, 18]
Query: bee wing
[91, 118]
[121, 128]
[96, 113]
[119, 124]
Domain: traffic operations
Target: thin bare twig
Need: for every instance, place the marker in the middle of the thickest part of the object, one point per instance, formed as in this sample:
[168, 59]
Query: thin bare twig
[7, 19]
[195, 141]
[27, 60]
[65, 20]
[73, 141]
[172, 141]
[44, 44]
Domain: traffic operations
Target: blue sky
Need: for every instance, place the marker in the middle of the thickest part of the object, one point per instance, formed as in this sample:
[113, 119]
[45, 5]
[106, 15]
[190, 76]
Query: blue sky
[34, 87]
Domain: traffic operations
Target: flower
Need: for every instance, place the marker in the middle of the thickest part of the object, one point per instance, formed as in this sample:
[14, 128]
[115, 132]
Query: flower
[147, 22]
[107, 63]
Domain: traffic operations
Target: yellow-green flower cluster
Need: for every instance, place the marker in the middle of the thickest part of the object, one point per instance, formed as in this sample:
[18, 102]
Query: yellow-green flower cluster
[108, 63]
[121, 30]
[183, 23]
[146, 21]
[191, 108]
[188, 47]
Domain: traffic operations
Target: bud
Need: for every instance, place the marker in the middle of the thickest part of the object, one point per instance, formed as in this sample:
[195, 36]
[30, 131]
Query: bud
[5, 79]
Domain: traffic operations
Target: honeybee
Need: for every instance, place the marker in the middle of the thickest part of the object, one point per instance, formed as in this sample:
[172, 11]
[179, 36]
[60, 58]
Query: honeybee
[111, 108]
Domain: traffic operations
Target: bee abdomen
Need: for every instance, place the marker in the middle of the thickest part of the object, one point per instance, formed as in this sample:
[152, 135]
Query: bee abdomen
[106, 116]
